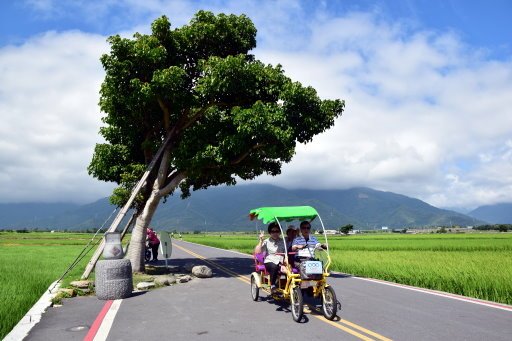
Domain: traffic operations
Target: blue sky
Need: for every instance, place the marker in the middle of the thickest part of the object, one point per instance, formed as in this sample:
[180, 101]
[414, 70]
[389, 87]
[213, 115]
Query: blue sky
[485, 24]
[427, 86]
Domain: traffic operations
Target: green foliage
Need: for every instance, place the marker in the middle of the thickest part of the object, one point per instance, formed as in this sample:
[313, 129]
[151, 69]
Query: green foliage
[346, 228]
[226, 113]
[497, 227]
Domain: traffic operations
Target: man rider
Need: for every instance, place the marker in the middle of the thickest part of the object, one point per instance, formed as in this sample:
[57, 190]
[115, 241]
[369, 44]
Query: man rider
[306, 240]
[305, 245]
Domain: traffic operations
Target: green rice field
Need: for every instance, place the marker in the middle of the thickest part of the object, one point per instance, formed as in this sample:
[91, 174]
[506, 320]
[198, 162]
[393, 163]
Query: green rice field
[471, 264]
[29, 264]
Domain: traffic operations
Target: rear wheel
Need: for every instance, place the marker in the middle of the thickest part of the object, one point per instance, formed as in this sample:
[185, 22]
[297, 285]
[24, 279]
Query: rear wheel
[147, 255]
[255, 291]
[329, 303]
[296, 304]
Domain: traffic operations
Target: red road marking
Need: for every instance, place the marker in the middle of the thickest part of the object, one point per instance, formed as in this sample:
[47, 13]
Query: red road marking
[97, 323]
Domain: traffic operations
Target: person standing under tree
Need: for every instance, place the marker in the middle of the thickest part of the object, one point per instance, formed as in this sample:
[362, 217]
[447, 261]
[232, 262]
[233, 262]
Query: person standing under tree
[154, 243]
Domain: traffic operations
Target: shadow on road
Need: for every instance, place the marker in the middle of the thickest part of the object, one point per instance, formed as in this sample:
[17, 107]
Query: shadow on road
[240, 266]
[340, 275]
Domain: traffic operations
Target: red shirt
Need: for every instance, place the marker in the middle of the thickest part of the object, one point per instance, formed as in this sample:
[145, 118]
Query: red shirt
[153, 238]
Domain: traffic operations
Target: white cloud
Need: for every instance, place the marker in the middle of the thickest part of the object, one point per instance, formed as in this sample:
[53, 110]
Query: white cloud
[48, 105]
[426, 116]
[417, 103]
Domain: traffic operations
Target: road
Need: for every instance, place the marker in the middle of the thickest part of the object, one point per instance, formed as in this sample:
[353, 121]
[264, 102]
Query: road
[221, 308]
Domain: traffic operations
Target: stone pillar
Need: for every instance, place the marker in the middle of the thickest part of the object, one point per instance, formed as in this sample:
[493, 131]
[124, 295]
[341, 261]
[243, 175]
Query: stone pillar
[113, 279]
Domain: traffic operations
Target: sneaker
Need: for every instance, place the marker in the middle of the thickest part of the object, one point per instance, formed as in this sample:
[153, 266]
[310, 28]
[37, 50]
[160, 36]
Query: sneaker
[273, 289]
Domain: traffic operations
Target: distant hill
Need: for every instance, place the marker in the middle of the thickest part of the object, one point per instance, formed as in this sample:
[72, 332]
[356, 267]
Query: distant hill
[56, 216]
[462, 210]
[226, 208]
[370, 208]
[30, 214]
[494, 214]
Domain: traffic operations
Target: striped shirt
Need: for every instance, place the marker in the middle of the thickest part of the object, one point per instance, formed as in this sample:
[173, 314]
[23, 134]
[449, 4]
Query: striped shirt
[309, 250]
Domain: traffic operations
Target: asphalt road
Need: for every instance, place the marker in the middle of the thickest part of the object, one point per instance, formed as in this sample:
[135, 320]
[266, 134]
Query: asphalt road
[221, 308]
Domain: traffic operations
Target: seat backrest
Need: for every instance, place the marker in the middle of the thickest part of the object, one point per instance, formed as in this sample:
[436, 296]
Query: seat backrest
[259, 258]
[259, 262]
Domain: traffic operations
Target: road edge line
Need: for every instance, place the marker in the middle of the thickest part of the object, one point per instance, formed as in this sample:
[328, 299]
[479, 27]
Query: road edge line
[489, 304]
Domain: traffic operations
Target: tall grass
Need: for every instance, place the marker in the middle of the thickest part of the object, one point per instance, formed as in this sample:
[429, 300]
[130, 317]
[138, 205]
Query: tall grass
[486, 275]
[476, 265]
[29, 263]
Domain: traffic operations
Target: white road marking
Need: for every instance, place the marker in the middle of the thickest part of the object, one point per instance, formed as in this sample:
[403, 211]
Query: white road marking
[438, 293]
[107, 322]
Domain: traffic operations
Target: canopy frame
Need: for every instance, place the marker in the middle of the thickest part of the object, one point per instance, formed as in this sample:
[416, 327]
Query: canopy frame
[289, 213]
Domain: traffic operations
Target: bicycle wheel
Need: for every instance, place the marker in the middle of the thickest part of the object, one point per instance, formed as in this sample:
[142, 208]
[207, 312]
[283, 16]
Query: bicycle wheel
[329, 303]
[296, 304]
[147, 255]
[255, 291]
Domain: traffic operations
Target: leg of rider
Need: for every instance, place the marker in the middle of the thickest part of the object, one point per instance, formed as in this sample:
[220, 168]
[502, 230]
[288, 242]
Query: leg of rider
[154, 249]
[273, 270]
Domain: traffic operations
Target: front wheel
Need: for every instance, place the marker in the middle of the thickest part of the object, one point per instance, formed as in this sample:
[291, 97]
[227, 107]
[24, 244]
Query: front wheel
[255, 291]
[329, 303]
[297, 305]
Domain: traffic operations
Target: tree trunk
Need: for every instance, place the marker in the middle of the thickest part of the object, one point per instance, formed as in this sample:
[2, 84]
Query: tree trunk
[138, 240]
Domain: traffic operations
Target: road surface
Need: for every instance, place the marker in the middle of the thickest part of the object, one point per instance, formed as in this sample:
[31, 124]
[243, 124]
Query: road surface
[221, 308]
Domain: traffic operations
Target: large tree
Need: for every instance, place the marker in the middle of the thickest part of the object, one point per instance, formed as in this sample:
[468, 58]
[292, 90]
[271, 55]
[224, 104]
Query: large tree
[222, 113]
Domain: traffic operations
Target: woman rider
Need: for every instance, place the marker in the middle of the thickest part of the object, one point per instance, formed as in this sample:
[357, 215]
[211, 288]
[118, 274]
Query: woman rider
[271, 246]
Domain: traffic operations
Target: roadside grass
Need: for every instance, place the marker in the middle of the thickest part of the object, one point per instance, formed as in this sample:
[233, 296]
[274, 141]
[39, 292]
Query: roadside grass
[473, 264]
[29, 264]
[485, 275]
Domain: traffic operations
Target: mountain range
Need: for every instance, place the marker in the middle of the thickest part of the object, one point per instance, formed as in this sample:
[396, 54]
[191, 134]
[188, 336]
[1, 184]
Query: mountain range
[226, 209]
[495, 214]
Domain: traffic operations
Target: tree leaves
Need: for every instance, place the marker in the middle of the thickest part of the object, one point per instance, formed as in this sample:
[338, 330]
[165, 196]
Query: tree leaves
[228, 115]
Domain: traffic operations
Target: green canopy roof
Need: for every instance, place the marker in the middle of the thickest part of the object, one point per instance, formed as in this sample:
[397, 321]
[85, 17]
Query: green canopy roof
[287, 213]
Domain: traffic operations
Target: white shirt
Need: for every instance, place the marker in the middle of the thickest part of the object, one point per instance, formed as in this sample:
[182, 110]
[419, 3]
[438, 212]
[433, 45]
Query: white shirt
[271, 247]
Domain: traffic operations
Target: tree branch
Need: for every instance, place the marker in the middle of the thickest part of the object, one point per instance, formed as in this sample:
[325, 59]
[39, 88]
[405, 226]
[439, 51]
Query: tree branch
[246, 154]
[175, 180]
[166, 115]
[239, 158]
[164, 168]
[197, 115]
[201, 111]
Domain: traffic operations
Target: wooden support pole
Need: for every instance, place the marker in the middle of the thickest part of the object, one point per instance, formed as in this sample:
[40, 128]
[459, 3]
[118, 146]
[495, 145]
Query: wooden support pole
[122, 213]
[127, 227]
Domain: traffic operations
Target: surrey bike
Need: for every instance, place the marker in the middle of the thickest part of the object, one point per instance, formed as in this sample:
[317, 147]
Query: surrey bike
[310, 276]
